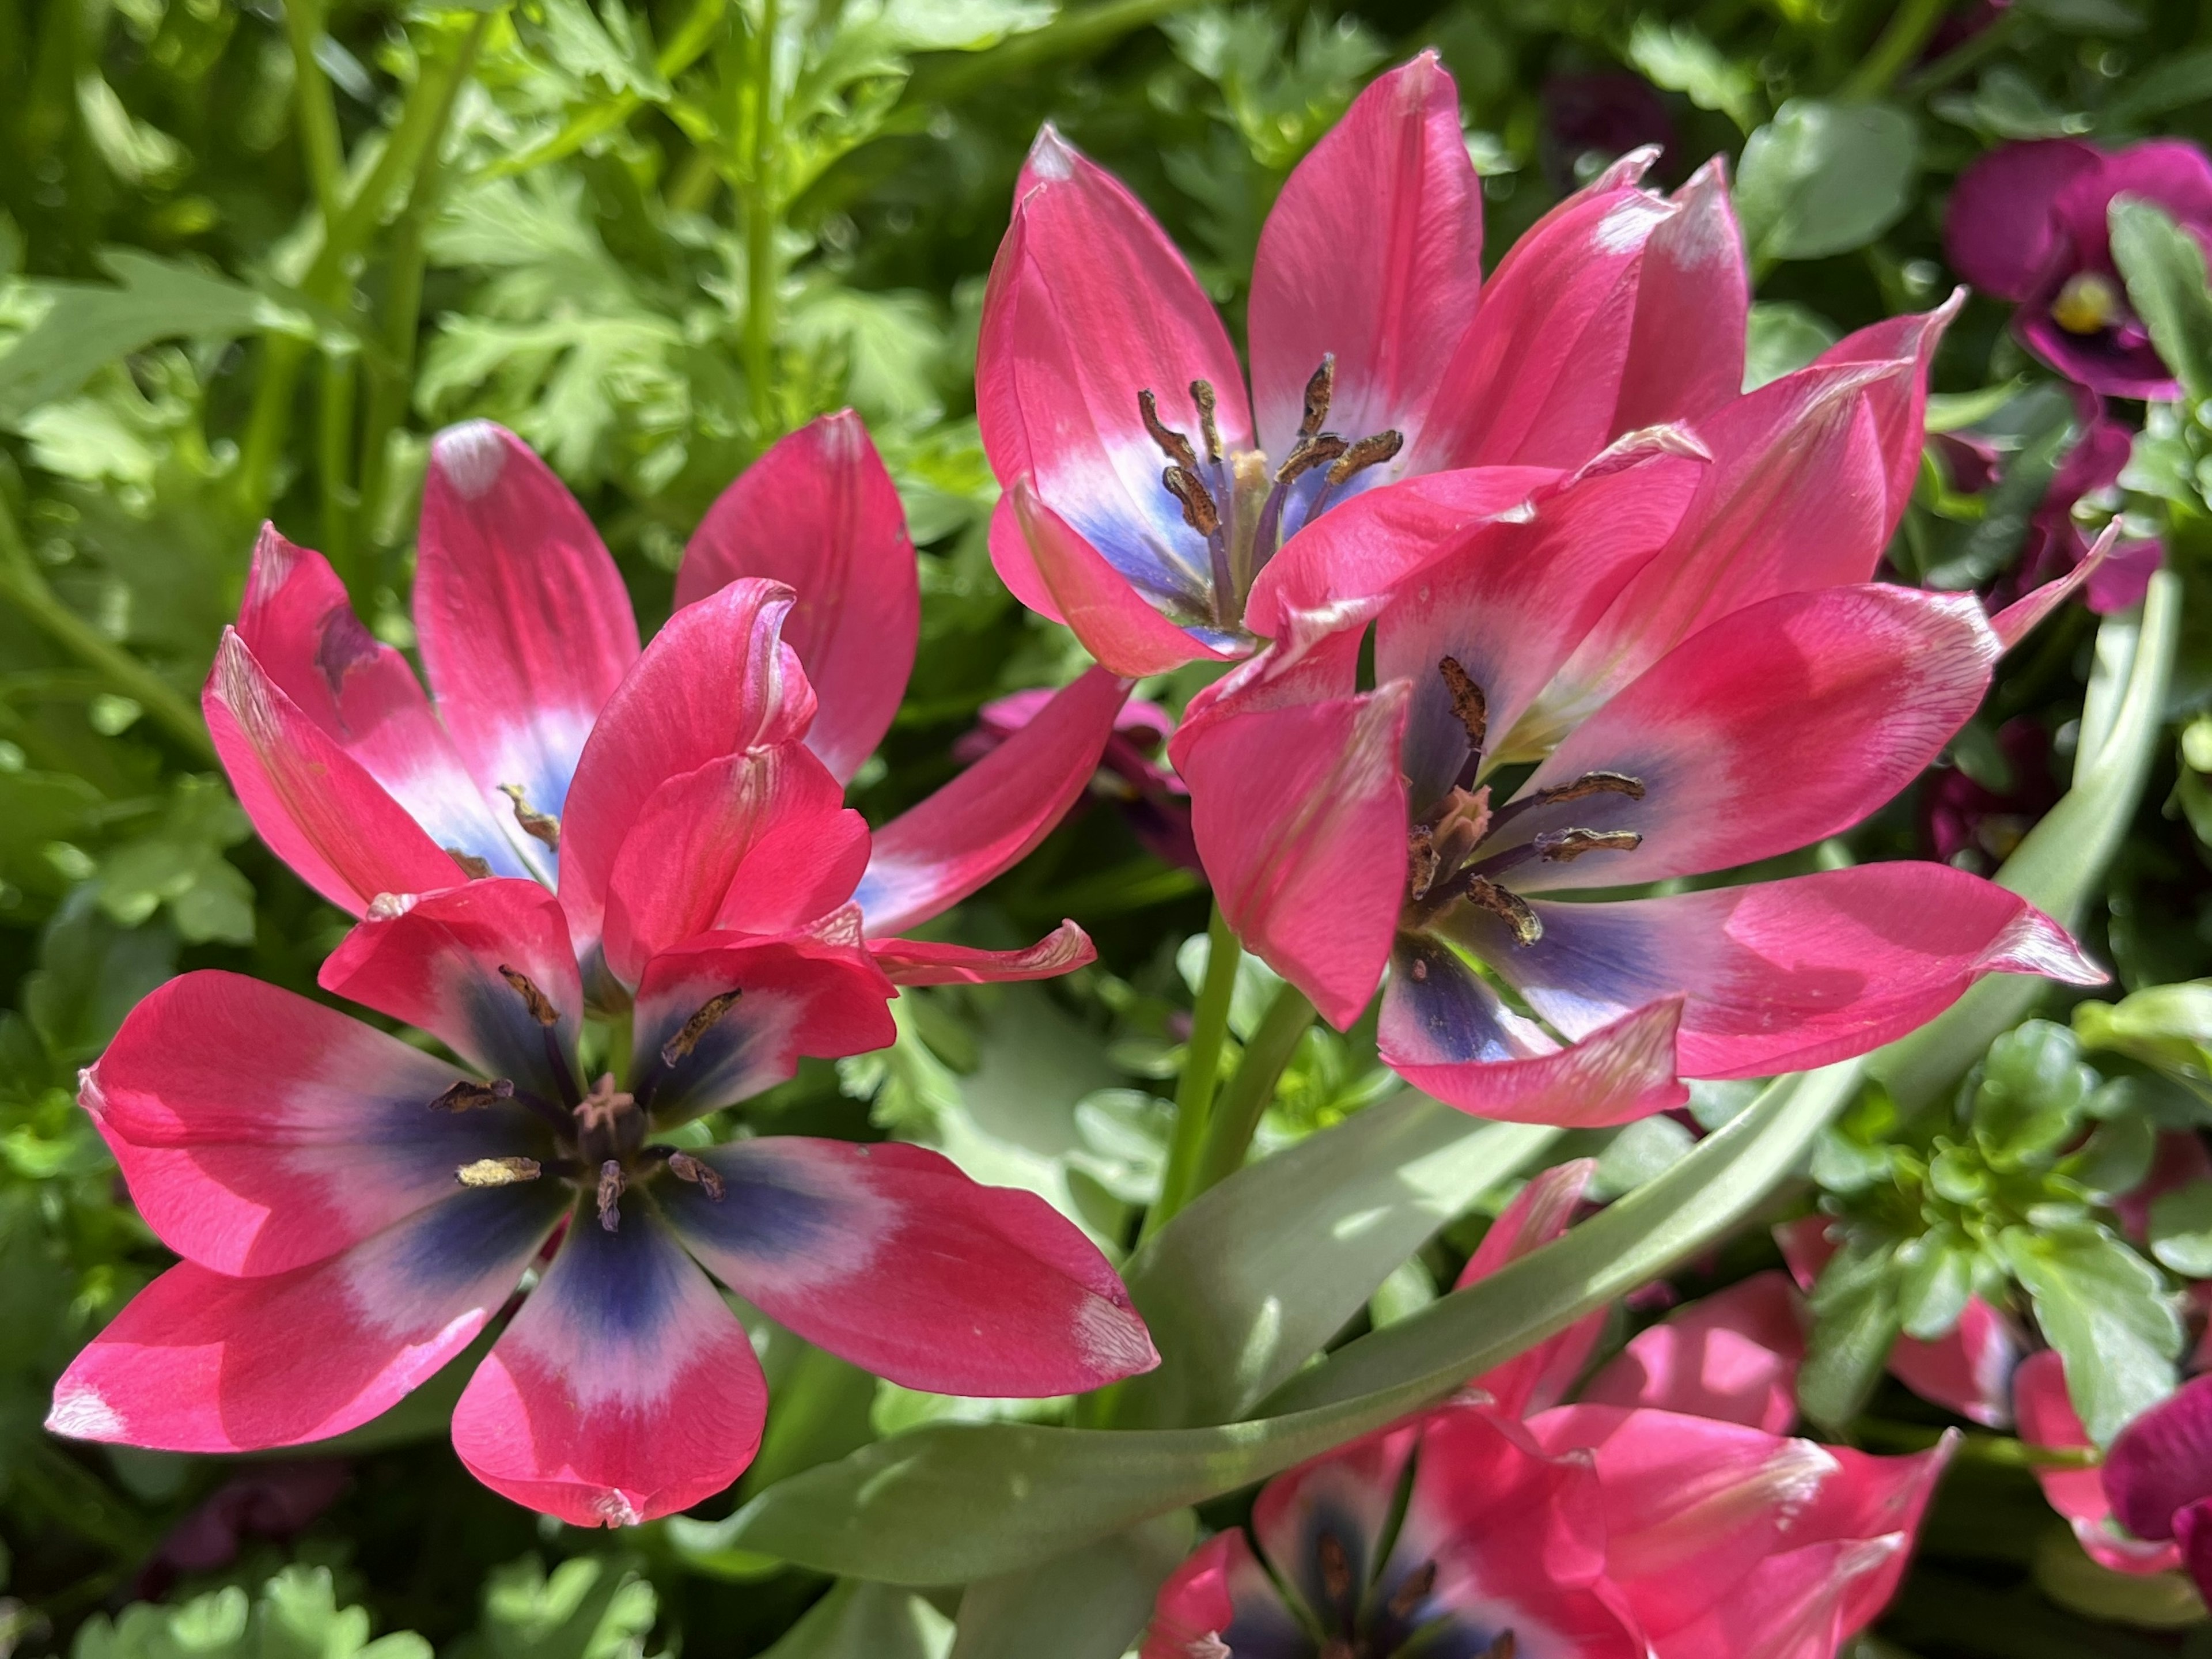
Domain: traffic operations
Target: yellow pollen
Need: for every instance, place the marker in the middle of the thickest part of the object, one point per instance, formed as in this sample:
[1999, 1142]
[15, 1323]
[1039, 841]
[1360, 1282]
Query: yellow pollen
[2088, 304]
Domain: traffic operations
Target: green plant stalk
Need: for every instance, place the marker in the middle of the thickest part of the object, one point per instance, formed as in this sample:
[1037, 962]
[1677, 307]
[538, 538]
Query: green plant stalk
[1899, 44]
[760, 210]
[1960, 59]
[333, 464]
[318, 115]
[1236, 1117]
[402, 322]
[1201, 1063]
[24, 586]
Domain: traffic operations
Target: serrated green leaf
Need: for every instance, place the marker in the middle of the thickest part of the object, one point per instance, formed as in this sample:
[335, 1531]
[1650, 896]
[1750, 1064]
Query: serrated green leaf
[2029, 1097]
[2164, 267]
[2181, 1230]
[1824, 177]
[1855, 1322]
[2106, 1311]
[297, 1616]
[591, 1607]
[1679, 56]
[1937, 1283]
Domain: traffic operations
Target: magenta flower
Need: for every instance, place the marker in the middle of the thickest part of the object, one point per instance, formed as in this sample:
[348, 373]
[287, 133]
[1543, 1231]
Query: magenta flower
[2158, 1477]
[1145, 494]
[2047, 1419]
[2027, 223]
[352, 1210]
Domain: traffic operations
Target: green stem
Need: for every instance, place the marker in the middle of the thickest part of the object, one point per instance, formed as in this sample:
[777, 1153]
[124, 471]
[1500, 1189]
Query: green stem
[318, 115]
[760, 206]
[1201, 1067]
[1900, 43]
[334, 465]
[403, 322]
[1960, 59]
[24, 586]
[1236, 1115]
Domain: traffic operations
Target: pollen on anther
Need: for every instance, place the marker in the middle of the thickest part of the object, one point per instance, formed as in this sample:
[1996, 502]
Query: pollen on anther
[468, 1095]
[542, 827]
[710, 1013]
[705, 1176]
[540, 1005]
[611, 1184]
[497, 1171]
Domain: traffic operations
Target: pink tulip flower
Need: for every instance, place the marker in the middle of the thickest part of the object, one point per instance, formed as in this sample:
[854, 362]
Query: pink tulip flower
[1146, 493]
[353, 1211]
[2028, 223]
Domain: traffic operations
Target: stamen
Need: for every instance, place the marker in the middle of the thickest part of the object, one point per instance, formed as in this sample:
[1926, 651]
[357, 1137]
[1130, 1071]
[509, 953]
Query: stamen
[1201, 393]
[705, 1176]
[709, 1015]
[540, 1005]
[610, 1191]
[1508, 907]
[1199, 511]
[1320, 390]
[1503, 1648]
[1469, 706]
[1307, 453]
[539, 826]
[1335, 1567]
[1172, 443]
[1591, 783]
[469, 1095]
[1421, 861]
[497, 1171]
[1562, 846]
[474, 868]
[1409, 1596]
[1371, 451]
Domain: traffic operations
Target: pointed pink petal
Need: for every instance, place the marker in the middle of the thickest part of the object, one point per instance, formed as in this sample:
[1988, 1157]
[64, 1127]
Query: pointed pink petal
[818, 513]
[2162, 1462]
[1785, 724]
[200, 1362]
[886, 1254]
[1686, 349]
[718, 680]
[923, 961]
[526, 626]
[1779, 976]
[300, 626]
[1088, 304]
[1793, 1605]
[816, 994]
[1539, 1213]
[1733, 1355]
[259, 1131]
[315, 806]
[1898, 401]
[759, 842]
[1446, 1033]
[1221, 1584]
[436, 963]
[991, 816]
[625, 1389]
[1373, 251]
[1969, 1369]
[1999, 231]
[2047, 1419]
[2017, 620]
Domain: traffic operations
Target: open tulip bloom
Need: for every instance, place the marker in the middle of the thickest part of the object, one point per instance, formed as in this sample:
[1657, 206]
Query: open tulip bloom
[660, 837]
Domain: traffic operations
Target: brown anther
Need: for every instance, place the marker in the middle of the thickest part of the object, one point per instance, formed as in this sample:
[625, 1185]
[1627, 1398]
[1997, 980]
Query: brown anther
[497, 1171]
[1335, 1566]
[1407, 1599]
[1562, 846]
[1172, 443]
[604, 1107]
[1469, 706]
[1591, 783]
[709, 1015]
[1307, 455]
[474, 868]
[539, 826]
[1503, 1648]
[540, 1005]
[1421, 861]
[1371, 451]
[611, 1184]
[469, 1095]
[1320, 391]
[1508, 907]
[1201, 393]
[705, 1176]
[1199, 511]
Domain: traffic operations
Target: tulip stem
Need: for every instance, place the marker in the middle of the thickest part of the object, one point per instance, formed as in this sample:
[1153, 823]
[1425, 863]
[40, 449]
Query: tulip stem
[1202, 1065]
[1236, 1117]
[1909, 31]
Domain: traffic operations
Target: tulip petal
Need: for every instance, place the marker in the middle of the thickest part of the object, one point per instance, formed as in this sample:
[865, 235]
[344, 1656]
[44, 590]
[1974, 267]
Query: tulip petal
[2162, 1462]
[1336, 1510]
[1446, 1033]
[1221, 1597]
[1786, 724]
[441, 963]
[923, 961]
[1686, 348]
[625, 1389]
[2047, 1419]
[1540, 1376]
[525, 625]
[202, 1362]
[888, 1255]
[1373, 251]
[314, 804]
[1999, 231]
[1968, 1369]
[2017, 620]
[819, 512]
[1733, 1355]
[993, 815]
[1904, 347]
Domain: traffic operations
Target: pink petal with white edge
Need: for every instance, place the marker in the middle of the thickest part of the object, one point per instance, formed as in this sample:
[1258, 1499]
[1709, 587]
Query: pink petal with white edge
[2017, 620]
[2047, 1419]
[992, 816]
[1778, 975]
[624, 1390]
[298, 623]
[717, 680]
[1686, 348]
[260, 1132]
[1373, 252]
[819, 512]
[1540, 1213]
[1733, 1355]
[923, 961]
[524, 623]
[1446, 1033]
[888, 1255]
[1898, 401]
[2162, 1462]
[1787, 723]
[441, 963]
[200, 1362]
[1793, 1605]
[316, 807]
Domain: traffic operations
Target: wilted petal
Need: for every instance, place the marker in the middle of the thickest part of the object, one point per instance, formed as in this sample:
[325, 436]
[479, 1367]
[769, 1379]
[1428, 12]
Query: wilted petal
[922, 961]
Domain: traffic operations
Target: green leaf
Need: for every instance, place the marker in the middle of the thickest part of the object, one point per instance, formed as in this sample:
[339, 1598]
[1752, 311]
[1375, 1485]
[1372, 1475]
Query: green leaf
[1856, 1322]
[2181, 1230]
[2029, 1097]
[1824, 177]
[1242, 1286]
[1091, 1604]
[1678, 57]
[2168, 1027]
[859, 1621]
[1936, 1283]
[297, 1616]
[2164, 266]
[2106, 1311]
[2172, 82]
[592, 1606]
[1782, 338]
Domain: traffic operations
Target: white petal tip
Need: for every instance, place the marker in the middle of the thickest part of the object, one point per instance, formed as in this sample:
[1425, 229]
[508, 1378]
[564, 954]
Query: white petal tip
[471, 455]
[81, 1414]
